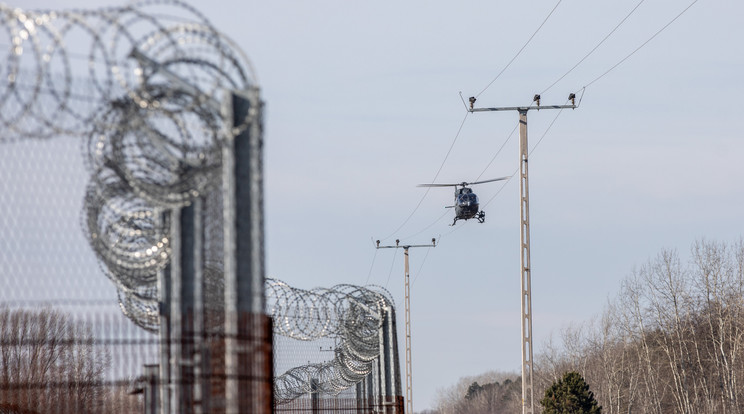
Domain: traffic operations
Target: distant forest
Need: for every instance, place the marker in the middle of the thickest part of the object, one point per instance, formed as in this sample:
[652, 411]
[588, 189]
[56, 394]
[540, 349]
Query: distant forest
[672, 341]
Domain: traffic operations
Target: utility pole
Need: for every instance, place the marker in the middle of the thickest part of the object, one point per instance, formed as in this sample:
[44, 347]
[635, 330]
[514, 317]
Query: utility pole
[407, 290]
[528, 400]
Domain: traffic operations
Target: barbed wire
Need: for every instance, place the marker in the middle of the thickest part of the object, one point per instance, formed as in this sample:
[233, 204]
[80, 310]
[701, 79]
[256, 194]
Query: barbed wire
[129, 50]
[151, 120]
[352, 315]
[149, 114]
[155, 87]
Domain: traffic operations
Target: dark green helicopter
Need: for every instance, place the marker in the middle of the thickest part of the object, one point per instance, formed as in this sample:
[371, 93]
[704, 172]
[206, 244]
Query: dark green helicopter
[466, 201]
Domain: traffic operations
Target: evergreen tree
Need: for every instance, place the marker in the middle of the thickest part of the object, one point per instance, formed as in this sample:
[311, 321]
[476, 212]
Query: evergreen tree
[570, 395]
[473, 391]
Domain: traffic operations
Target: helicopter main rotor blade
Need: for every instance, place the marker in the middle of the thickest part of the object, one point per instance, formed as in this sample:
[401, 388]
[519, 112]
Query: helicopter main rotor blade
[464, 184]
[438, 185]
[489, 181]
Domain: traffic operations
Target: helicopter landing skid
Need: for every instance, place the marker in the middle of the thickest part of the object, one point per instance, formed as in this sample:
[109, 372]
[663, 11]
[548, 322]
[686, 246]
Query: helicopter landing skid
[481, 217]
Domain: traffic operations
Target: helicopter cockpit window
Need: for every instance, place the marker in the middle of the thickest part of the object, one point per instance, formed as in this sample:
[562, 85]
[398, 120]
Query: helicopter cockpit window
[467, 199]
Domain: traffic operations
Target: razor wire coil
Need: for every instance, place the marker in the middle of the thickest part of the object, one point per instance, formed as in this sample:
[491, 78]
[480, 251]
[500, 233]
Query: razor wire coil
[352, 315]
[152, 125]
[125, 49]
[149, 113]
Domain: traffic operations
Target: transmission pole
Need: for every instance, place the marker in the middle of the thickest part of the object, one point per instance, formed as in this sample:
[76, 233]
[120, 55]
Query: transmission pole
[528, 400]
[407, 290]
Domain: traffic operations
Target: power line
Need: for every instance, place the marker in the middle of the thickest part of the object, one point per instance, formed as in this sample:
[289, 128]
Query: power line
[481, 174]
[421, 267]
[497, 153]
[427, 227]
[501, 189]
[478, 178]
[520, 50]
[594, 48]
[456, 228]
[524, 257]
[371, 267]
[560, 111]
[530, 153]
[642, 45]
[546, 131]
[511, 176]
[391, 268]
[449, 151]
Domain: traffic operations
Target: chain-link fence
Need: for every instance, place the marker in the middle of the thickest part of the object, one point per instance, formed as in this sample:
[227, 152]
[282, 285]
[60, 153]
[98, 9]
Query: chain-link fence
[132, 233]
[65, 345]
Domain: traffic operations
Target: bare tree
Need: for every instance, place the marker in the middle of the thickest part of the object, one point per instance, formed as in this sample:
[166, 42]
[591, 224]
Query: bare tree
[671, 341]
[720, 285]
[48, 364]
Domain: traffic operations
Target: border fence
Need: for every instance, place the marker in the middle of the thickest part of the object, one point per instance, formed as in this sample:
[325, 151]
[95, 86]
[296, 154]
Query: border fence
[131, 213]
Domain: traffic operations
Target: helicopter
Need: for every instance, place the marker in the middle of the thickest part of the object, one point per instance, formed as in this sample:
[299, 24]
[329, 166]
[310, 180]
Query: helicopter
[466, 201]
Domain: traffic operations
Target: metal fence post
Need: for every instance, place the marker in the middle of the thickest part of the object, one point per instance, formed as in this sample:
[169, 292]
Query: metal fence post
[164, 305]
[248, 333]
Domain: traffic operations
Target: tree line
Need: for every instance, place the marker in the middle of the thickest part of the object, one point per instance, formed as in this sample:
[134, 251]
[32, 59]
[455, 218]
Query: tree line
[671, 341]
[50, 363]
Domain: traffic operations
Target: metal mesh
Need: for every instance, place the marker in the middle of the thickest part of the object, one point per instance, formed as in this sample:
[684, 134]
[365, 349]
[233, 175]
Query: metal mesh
[100, 146]
[152, 55]
[56, 304]
[148, 110]
[351, 316]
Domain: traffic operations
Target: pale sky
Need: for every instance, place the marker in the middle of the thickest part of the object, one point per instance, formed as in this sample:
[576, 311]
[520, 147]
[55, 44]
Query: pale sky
[362, 104]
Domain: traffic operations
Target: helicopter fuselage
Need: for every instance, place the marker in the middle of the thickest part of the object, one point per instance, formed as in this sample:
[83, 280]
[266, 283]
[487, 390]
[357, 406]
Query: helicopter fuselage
[466, 205]
[466, 202]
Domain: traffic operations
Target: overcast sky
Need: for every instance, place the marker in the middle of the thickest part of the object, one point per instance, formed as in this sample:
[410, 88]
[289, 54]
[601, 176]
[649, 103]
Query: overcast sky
[362, 103]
